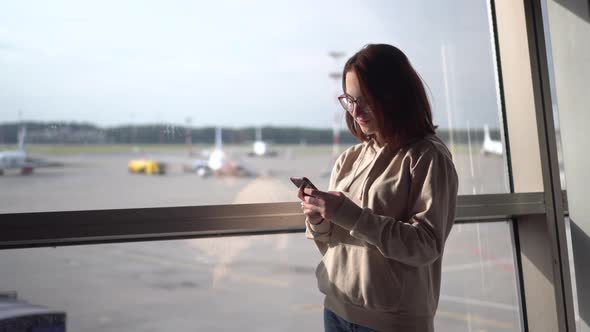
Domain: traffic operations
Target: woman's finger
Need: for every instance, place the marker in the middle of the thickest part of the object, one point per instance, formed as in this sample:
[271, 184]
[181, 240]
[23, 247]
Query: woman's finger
[301, 193]
[309, 213]
[311, 200]
[306, 206]
[312, 213]
[310, 208]
[312, 216]
[318, 193]
[310, 191]
[315, 201]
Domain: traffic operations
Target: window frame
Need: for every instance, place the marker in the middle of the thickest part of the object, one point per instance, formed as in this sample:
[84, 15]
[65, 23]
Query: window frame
[51, 229]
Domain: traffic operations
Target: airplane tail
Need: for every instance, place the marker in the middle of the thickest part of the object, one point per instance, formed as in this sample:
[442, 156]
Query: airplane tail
[486, 133]
[22, 134]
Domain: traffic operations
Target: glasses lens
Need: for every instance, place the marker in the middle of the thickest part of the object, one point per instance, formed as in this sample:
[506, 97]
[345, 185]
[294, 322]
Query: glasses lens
[346, 103]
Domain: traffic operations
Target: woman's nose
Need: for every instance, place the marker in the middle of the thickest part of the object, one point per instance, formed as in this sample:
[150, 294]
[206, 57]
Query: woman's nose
[357, 110]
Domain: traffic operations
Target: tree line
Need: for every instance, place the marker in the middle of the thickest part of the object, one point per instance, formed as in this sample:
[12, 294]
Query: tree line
[84, 133]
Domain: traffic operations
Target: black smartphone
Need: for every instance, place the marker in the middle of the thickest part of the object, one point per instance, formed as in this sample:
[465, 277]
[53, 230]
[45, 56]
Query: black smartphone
[299, 181]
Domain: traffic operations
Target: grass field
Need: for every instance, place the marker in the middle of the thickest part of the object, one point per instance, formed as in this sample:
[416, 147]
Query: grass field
[99, 148]
[64, 149]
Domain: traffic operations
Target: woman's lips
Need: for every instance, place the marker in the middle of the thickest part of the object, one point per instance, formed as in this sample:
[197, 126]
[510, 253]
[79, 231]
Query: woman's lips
[362, 121]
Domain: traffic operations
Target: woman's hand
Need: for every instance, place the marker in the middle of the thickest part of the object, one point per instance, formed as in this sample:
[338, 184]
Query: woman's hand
[318, 204]
[313, 217]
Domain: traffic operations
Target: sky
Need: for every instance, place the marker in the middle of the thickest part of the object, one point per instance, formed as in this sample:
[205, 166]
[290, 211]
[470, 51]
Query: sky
[232, 63]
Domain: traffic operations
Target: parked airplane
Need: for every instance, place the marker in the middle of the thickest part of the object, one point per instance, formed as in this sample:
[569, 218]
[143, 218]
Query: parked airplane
[490, 146]
[17, 159]
[218, 162]
[260, 148]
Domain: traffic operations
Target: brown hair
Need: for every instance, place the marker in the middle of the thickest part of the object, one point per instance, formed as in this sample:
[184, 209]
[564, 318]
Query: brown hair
[394, 92]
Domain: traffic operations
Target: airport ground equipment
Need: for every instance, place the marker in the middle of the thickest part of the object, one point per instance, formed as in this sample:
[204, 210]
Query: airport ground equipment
[147, 166]
[20, 316]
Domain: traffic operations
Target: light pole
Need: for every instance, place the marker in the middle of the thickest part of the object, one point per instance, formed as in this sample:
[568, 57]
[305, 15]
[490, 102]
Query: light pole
[188, 136]
[133, 137]
[337, 77]
[20, 123]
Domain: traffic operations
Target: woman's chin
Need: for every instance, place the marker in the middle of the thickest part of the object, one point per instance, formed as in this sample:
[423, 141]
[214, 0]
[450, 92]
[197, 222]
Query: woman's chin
[367, 130]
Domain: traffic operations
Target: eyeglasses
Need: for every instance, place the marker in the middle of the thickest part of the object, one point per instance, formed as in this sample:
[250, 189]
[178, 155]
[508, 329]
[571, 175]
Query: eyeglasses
[347, 102]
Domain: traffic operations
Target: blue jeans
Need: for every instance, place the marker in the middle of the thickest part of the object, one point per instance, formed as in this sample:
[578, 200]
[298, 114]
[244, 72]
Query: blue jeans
[335, 323]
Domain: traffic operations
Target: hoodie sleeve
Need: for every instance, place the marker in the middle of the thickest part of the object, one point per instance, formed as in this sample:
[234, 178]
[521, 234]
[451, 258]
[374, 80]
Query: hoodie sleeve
[420, 239]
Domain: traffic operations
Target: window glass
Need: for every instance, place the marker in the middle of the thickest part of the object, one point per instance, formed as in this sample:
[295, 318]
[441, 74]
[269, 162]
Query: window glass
[259, 282]
[479, 285]
[135, 104]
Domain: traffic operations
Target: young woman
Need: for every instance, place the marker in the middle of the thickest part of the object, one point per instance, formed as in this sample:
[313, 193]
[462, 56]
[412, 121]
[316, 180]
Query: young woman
[382, 226]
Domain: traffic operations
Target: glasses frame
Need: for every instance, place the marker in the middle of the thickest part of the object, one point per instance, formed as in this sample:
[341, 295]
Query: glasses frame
[364, 108]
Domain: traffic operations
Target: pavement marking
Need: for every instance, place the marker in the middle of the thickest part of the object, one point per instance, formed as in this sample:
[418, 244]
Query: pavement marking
[153, 258]
[469, 266]
[487, 304]
[475, 319]
[259, 280]
[265, 190]
[307, 308]
[165, 261]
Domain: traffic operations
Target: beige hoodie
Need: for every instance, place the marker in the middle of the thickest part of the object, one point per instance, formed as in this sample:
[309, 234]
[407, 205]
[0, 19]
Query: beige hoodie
[382, 252]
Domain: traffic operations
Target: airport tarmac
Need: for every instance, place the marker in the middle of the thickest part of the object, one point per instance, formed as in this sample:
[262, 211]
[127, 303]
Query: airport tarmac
[254, 283]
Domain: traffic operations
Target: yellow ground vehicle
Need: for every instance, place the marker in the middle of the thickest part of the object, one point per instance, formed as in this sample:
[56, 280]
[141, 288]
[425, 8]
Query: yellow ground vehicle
[146, 166]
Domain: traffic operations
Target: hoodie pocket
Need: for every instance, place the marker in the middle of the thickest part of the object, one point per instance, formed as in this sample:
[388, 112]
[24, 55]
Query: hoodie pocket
[361, 276]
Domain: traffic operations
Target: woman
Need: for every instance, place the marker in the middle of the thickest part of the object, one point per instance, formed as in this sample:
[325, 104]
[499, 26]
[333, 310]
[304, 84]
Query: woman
[382, 226]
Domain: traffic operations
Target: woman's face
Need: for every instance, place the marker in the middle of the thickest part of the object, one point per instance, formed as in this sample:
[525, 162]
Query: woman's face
[361, 113]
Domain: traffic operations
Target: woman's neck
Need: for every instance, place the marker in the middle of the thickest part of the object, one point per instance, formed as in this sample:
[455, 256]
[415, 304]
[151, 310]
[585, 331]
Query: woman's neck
[379, 140]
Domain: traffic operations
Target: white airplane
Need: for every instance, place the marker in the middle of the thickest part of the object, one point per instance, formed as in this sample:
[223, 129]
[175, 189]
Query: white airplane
[260, 148]
[17, 159]
[490, 146]
[218, 162]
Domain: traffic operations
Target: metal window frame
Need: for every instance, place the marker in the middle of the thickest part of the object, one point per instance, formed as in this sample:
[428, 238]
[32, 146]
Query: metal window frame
[540, 240]
[554, 217]
[24, 230]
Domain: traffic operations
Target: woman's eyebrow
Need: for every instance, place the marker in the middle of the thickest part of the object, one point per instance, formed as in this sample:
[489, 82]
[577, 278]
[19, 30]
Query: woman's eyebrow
[353, 96]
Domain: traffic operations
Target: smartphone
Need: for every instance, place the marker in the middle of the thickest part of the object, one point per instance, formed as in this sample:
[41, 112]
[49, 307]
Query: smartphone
[299, 181]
